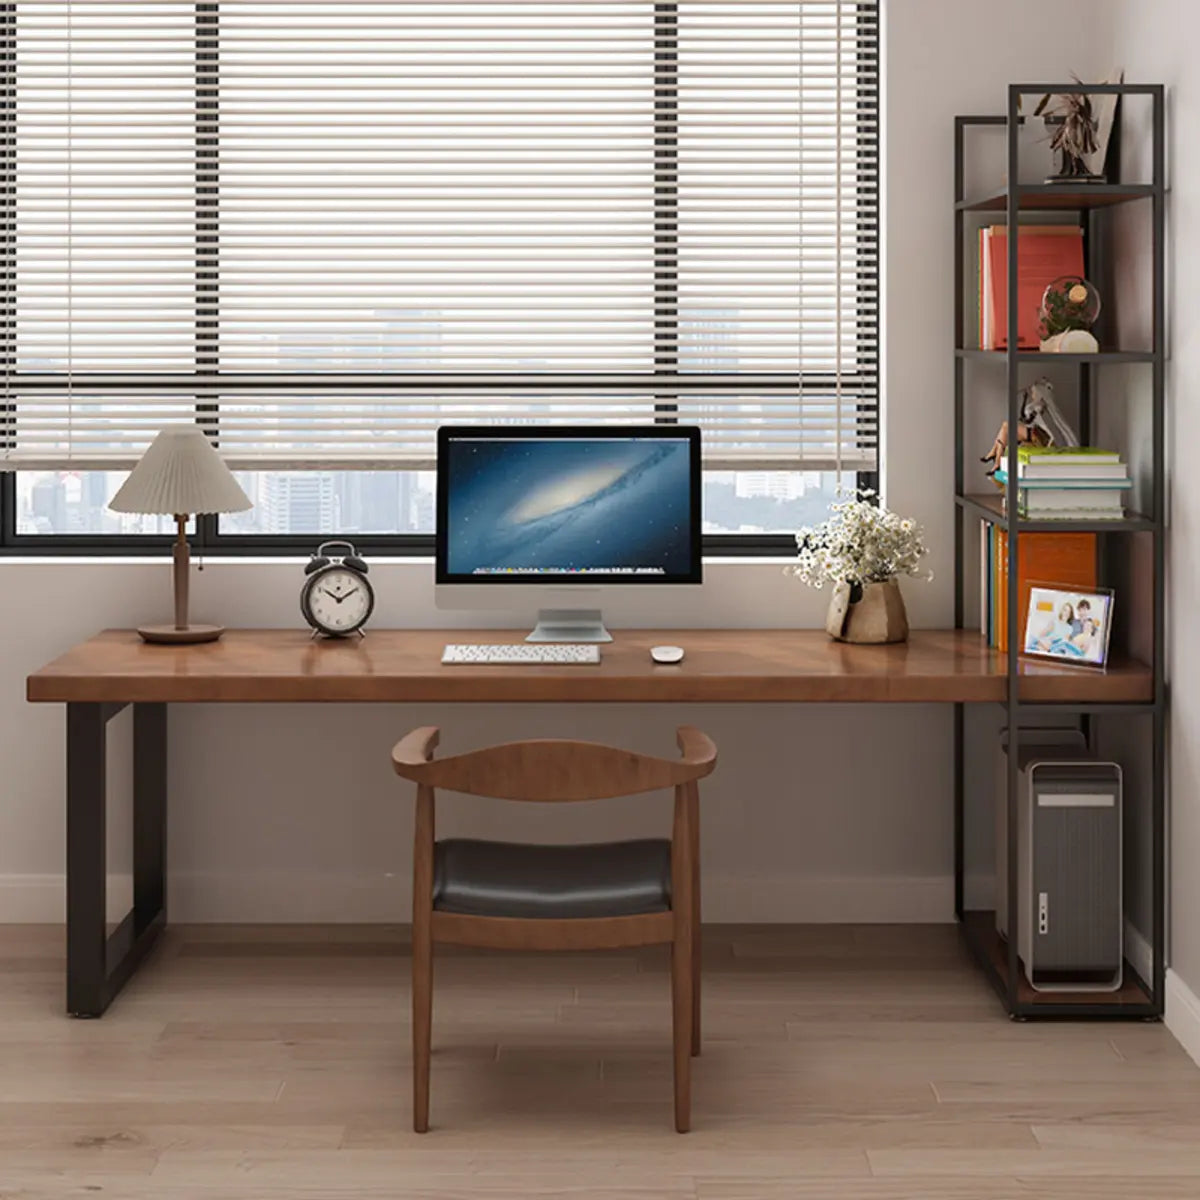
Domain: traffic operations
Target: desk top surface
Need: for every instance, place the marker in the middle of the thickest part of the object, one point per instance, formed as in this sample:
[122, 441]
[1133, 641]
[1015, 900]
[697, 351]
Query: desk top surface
[721, 665]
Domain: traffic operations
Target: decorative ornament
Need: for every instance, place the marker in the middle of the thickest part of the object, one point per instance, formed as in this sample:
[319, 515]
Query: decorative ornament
[1076, 134]
[1040, 423]
[1070, 307]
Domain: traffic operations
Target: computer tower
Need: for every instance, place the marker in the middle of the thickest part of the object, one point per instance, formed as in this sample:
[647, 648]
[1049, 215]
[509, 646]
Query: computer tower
[1070, 907]
[1042, 745]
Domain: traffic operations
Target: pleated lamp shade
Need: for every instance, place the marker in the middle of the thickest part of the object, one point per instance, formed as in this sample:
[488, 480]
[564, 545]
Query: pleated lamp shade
[180, 473]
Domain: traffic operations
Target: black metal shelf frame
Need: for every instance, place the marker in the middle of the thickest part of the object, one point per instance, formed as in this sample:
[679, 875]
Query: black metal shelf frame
[1016, 199]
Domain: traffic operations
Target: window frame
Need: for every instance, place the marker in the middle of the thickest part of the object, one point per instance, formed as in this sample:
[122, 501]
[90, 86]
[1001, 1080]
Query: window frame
[207, 538]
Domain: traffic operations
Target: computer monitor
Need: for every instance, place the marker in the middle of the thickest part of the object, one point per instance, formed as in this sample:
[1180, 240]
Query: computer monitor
[544, 515]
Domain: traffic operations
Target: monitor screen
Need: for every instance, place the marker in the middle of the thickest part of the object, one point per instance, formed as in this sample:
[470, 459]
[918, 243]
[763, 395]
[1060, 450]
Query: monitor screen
[562, 504]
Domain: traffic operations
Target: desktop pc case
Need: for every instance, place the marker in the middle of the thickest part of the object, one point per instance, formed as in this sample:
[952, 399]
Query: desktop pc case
[1070, 905]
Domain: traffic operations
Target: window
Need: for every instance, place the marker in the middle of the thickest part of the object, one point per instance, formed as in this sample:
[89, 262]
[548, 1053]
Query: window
[322, 228]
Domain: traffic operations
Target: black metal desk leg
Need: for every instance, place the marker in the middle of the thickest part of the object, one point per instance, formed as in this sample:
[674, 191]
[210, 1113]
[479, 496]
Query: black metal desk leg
[86, 886]
[149, 811]
[98, 965]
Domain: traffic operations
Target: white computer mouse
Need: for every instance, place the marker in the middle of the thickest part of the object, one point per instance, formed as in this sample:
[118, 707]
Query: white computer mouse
[666, 654]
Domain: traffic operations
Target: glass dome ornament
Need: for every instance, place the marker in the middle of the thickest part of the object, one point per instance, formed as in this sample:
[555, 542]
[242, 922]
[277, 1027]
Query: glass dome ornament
[1070, 307]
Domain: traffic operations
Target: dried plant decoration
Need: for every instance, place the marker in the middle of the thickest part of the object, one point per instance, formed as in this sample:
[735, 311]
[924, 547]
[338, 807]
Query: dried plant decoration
[1075, 135]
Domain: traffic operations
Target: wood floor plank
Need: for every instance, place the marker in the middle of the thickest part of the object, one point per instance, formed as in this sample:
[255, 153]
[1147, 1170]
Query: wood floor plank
[77, 1188]
[1146, 1138]
[1120, 1187]
[156, 1138]
[668, 1164]
[758, 1187]
[1084, 1163]
[107, 1171]
[963, 1187]
[1019, 1090]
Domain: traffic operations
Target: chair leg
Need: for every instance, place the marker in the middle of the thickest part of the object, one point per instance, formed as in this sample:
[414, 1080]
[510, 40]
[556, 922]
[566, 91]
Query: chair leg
[422, 1022]
[681, 1005]
[695, 823]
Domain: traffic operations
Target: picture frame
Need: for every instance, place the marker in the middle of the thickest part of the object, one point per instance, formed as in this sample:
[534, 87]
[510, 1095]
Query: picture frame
[1066, 624]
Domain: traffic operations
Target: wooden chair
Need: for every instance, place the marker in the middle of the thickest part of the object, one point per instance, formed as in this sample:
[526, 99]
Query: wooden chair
[519, 897]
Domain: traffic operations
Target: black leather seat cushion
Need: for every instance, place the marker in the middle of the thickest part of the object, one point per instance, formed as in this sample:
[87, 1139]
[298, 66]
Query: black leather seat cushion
[508, 879]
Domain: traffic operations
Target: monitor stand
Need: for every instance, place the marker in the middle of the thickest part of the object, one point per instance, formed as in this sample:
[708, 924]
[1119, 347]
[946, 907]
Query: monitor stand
[569, 625]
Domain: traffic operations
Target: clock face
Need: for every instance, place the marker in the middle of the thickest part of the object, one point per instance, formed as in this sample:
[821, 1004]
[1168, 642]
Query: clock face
[338, 600]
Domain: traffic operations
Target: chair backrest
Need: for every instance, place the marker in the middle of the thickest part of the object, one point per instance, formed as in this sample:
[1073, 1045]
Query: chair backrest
[552, 769]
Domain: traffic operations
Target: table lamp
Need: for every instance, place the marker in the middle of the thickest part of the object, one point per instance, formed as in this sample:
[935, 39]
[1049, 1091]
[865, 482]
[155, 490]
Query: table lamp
[180, 475]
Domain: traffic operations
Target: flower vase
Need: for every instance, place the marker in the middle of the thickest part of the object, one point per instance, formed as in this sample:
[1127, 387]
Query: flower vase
[877, 616]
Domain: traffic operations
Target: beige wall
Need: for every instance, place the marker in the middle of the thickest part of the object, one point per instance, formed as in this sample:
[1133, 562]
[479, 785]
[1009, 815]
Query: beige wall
[821, 813]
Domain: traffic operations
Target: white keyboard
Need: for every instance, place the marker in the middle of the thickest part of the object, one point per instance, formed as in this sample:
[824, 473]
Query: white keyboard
[522, 654]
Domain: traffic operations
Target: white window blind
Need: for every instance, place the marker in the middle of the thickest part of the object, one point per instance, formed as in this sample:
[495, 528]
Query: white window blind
[324, 228]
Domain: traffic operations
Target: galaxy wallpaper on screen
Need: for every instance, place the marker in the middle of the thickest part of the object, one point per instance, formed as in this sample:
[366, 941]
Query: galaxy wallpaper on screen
[568, 505]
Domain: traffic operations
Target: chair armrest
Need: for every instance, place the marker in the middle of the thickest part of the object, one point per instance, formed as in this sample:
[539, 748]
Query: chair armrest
[413, 751]
[697, 749]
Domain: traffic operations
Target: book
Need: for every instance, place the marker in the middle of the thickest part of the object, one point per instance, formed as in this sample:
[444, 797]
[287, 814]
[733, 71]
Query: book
[1061, 558]
[1044, 487]
[1072, 514]
[1101, 504]
[1065, 454]
[979, 290]
[987, 335]
[985, 572]
[1068, 504]
[1065, 470]
[991, 585]
[1054, 510]
[1044, 253]
[1037, 504]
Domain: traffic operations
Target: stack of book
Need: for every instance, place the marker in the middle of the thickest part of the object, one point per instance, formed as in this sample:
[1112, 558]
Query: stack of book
[1068, 484]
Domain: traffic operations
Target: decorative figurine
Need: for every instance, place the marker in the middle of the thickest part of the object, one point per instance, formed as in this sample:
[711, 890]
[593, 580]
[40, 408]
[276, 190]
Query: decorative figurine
[1040, 423]
[1076, 135]
[1069, 309]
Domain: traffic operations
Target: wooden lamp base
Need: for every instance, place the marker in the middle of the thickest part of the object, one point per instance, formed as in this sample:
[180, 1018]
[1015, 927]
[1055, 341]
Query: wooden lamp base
[182, 632]
[169, 634]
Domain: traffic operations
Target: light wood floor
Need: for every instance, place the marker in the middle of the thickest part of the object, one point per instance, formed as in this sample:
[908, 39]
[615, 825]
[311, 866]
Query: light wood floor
[838, 1063]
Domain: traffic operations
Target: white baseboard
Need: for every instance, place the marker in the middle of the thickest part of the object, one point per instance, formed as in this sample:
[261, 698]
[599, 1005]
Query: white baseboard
[307, 897]
[882, 900]
[42, 899]
[1183, 1015]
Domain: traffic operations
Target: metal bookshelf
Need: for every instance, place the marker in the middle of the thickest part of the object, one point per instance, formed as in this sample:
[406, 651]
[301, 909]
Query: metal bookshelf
[1142, 996]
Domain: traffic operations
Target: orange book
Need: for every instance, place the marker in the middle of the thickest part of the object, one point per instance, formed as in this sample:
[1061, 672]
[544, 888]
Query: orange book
[1063, 558]
[1044, 254]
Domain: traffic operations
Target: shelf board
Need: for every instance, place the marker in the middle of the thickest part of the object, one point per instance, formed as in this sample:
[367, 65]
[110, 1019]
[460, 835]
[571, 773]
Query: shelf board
[1124, 681]
[990, 507]
[1102, 356]
[1045, 197]
[1130, 1001]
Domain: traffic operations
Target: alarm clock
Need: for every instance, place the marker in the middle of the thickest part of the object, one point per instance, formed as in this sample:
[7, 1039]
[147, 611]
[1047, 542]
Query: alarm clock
[337, 599]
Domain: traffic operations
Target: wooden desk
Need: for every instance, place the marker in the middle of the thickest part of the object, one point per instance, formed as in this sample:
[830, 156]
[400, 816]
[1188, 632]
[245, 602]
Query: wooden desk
[722, 665]
[99, 677]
